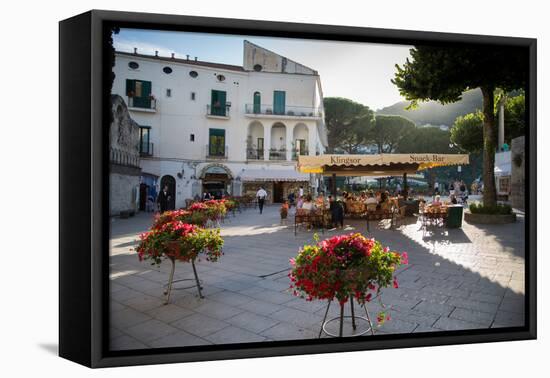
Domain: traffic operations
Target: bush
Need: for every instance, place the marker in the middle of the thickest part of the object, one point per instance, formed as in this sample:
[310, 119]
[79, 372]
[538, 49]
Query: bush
[499, 209]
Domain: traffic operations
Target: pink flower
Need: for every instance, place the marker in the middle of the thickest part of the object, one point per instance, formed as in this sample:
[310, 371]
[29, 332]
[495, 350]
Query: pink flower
[404, 258]
[395, 283]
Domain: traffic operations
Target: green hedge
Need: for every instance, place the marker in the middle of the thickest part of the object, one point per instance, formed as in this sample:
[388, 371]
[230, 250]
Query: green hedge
[478, 208]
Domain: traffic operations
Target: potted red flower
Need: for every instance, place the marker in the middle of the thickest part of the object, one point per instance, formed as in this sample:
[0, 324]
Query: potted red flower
[346, 268]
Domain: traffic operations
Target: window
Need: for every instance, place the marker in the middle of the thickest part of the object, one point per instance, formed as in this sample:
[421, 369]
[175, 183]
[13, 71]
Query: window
[217, 103]
[145, 147]
[220, 77]
[279, 102]
[168, 92]
[301, 146]
[258, 67]
[216, 145]
[139, 93]
[167, 70]
[193, 74]
[193, 96]
[257, 103]
[192, 137]
[133, 65]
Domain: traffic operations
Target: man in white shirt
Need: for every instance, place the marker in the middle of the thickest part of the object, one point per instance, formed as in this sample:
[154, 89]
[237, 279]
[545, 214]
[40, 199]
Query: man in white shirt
[261, 195]
[301, 192]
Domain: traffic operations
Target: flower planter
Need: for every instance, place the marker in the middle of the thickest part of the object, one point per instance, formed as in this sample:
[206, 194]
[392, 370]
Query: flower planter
[346, 268]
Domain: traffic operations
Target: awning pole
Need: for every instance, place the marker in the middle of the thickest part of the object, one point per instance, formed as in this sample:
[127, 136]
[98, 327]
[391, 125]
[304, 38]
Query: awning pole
[405, 186]
[333, 185]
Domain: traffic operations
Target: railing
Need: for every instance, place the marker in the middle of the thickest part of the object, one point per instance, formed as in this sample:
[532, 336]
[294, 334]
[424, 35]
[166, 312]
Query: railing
[295, 153]
[255, 154]
[146, 149]
[290, 111]
[121, 157]
[277, 154]
[216, 152]
[218, 111]
[149, 103]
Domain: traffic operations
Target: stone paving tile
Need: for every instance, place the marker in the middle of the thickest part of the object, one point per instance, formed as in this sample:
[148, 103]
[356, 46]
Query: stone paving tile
[200, 325]
[473, 305]
[479, 317]
[287, 331]
[449, 324]
[434, 308]
[260, 307]
[252, 322]
[150, 330]
[234, 335]
[454, 276]
[144, 302]
[127, 318]
[179, 338]
[218, 310]
[296, 317]
[126, 342]
[115, 306]
[169, 313]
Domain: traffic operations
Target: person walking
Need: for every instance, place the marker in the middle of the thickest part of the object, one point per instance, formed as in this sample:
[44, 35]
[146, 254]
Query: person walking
[261, 195]
[164, 199]
[301, 192]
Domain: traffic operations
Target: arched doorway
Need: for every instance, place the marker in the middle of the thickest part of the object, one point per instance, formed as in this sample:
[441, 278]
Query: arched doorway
[255, 141]
[216, 180]
[300, 139]
[169, 181]
[278, 142]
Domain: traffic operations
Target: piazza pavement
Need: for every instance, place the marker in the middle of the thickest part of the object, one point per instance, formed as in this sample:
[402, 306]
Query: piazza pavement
[456, 279]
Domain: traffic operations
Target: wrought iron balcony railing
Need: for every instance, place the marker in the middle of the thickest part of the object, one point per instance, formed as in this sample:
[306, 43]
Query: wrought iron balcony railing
[255, 153]
[287, 110]
[218, 111]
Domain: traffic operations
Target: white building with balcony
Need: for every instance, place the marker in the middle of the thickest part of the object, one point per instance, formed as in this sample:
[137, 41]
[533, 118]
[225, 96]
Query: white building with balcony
[212, 127]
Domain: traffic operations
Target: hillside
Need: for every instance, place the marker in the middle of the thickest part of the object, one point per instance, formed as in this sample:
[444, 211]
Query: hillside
[433, 112]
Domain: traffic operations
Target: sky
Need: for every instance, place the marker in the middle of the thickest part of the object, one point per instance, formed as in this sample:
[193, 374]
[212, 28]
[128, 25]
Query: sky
[358, 71]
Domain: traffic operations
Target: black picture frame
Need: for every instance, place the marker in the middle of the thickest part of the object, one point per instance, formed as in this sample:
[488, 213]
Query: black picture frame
[83, 165]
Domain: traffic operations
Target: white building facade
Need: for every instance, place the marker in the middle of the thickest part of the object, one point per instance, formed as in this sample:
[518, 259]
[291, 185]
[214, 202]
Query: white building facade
[210, 127]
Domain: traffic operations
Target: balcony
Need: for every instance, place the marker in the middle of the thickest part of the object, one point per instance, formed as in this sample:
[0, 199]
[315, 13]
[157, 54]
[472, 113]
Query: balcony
[142, 104]
[275, 154]
[220, 112]
[295, 153]
[254, 154]
[216, 152]
[146, 149]
[263, 110]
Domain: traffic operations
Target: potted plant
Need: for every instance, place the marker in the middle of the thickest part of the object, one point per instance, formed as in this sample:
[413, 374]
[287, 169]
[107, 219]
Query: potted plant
[174, 240]
[345, 268]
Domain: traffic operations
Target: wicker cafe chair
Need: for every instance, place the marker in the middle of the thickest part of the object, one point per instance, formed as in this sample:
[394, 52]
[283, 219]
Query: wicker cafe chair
[307, 218]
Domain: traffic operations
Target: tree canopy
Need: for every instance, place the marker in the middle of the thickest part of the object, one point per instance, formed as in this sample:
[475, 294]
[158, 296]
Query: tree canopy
[388, 131]
[467, 132]
[425, 139]
[444, 73]
[348, 124]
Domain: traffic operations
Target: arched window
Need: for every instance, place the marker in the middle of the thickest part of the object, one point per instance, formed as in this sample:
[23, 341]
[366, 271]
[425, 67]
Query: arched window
[257, 103]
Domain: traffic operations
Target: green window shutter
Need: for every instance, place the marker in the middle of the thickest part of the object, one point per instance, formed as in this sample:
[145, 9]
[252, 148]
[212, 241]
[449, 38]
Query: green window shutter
[257, 102]
[216, 146]
[143, 101]
[279, 102]
[218, 102]
[130, 87]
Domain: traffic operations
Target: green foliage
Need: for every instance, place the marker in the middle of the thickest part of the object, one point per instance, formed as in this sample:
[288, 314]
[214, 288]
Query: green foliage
[500, 209]
[348, 124]
[425, 139]
[467, 132]
[514, 117]
[444, 73]
[434, 113]
[388, 131]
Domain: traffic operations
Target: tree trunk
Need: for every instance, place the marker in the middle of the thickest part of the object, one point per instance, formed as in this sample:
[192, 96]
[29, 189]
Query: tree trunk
[489, 141]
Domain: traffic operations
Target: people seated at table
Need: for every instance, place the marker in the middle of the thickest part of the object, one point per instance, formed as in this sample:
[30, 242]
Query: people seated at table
[453, 199]
[437, 201]
[371, 200]
[385, 203]
[308, 204]
[320, 201]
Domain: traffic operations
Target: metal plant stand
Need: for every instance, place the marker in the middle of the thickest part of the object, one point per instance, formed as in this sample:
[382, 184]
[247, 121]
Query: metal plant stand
[171, 281]
[342, 317]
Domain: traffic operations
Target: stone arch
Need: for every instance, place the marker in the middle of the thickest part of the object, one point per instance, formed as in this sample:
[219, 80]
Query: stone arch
[215, 168]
